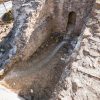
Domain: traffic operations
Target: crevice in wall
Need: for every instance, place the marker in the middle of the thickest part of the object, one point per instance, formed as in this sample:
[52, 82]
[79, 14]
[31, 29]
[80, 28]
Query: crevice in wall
[71, 23]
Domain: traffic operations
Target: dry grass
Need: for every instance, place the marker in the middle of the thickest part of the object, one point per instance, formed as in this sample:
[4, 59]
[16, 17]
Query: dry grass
[1, 1]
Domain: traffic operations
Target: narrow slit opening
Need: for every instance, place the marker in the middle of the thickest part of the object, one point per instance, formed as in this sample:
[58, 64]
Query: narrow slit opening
[71, 23]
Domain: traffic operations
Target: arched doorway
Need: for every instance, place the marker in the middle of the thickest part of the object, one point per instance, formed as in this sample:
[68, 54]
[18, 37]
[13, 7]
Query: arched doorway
[71, 22]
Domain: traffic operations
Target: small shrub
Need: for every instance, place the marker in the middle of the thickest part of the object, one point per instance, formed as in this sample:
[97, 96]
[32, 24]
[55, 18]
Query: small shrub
[7, 17]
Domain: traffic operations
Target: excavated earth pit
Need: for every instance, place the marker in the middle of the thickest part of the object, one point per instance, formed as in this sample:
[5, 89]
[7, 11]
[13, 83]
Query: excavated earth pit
[43, 70]
[36, 78]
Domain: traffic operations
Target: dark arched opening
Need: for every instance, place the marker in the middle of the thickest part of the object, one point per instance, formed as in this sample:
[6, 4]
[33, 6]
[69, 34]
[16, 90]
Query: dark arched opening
[71, 22]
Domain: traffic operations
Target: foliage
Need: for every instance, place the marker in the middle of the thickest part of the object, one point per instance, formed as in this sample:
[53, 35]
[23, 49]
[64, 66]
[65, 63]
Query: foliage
[7, 17]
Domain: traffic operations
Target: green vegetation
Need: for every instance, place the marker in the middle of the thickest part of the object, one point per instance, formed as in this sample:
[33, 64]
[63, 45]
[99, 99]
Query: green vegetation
[7, 17]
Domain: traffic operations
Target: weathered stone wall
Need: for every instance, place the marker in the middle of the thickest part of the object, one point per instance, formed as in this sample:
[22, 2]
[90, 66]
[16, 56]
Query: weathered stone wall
[81, 78]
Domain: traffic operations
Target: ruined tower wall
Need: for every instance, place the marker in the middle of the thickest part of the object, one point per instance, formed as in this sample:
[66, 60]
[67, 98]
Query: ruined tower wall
[63, 8]
[48, 16]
